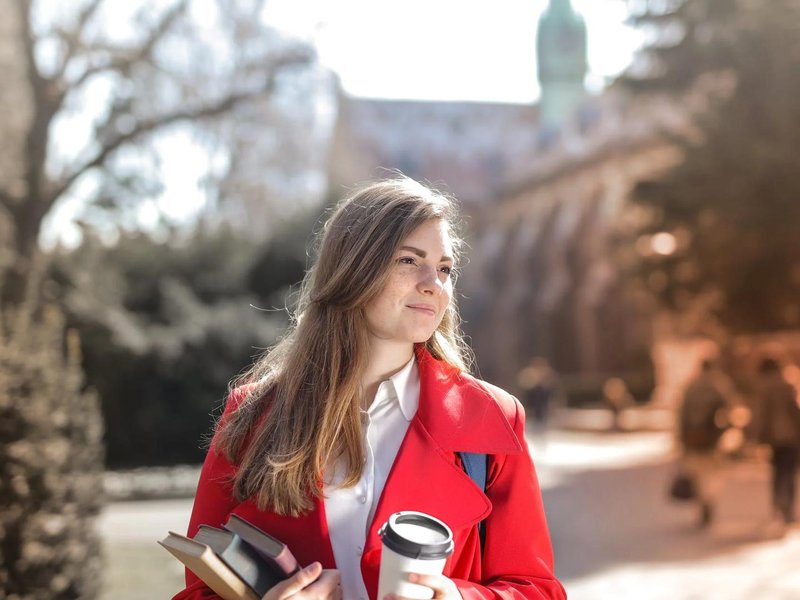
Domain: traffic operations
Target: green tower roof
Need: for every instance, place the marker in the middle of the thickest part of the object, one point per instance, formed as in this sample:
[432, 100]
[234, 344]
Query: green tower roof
[561, 44]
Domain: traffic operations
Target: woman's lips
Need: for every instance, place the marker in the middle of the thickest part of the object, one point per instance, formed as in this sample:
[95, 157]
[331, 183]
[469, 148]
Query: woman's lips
[423, 308]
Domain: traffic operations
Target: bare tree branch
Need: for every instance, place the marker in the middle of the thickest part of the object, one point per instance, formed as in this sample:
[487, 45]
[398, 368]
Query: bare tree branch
[86, 14]
[24, 10]
[73, 38]
[148, 126]
[7, 201]
[123, 60]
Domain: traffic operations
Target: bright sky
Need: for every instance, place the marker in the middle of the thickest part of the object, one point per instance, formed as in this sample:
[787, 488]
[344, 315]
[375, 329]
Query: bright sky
[448, 49]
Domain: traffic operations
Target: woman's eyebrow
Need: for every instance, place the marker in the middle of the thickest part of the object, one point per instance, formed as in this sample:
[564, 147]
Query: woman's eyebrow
[422, 254]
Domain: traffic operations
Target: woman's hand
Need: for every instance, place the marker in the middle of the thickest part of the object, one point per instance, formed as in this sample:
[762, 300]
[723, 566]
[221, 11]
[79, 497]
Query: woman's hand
[443, 587]
[311, 583]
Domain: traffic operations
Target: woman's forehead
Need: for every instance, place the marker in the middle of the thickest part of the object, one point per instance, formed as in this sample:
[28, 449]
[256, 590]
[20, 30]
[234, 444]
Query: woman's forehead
[430, 236]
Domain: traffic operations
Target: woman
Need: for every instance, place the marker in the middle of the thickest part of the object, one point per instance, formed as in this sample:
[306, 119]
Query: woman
[361, 411]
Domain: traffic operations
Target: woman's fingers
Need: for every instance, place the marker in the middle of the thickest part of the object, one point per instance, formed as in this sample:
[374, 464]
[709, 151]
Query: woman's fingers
[443, 587]
[328, 585]
[312, 582]
[295, 583]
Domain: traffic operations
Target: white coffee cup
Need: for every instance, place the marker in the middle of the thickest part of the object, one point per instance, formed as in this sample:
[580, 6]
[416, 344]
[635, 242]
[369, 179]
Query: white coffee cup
[413, 542]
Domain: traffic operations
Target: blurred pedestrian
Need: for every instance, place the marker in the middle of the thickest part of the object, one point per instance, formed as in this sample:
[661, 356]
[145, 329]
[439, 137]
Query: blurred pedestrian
[539, 382]
[778, 425]
[617, 397]
[701, 423]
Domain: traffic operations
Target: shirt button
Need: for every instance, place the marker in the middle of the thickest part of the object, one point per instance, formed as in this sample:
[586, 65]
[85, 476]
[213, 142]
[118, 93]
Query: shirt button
[362, 499]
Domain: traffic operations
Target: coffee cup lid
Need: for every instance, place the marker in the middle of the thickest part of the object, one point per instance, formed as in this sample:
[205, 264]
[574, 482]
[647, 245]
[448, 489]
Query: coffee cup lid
[395, 540]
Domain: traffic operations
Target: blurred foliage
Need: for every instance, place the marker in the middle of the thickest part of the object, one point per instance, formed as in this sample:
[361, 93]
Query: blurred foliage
[166, 325]
[686, 39]
[50, 462]
[731, 208]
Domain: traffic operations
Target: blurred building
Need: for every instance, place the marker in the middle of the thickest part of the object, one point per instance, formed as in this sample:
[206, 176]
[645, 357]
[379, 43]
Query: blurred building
[471, 149]
[544, 190]
[545, 258]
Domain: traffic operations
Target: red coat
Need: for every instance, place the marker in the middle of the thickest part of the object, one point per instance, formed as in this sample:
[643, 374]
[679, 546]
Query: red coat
[457, 413]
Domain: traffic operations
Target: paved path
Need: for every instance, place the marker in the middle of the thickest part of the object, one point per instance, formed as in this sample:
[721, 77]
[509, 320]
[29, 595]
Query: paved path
[136, 566]
[614, 533]
[616, 536]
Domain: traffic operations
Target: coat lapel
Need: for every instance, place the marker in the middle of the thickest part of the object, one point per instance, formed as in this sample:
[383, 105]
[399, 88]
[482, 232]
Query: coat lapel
[455, 414]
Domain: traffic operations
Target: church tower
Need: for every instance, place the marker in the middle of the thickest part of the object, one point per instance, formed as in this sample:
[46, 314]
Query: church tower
[562, 62]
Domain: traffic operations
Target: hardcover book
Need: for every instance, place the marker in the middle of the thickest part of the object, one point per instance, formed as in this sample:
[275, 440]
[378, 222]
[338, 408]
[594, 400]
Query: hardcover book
[270, 548]
[203, 562]
[241, 557]
[239, 562]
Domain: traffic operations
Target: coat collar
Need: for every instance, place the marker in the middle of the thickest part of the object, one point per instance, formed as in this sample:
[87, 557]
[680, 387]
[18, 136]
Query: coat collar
[460, 413]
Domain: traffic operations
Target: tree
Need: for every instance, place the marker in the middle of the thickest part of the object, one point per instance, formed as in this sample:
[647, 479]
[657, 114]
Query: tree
[162, 69]
[720, 232]
[686, 39]
[84, 97]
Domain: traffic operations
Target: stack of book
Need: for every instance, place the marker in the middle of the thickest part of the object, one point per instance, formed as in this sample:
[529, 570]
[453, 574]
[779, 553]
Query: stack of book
[238, 562]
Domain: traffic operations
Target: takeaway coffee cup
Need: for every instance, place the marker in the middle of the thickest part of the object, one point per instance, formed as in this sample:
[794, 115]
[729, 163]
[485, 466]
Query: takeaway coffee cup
[413, 542]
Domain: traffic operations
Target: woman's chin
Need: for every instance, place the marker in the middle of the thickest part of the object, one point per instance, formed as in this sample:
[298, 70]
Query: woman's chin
[424, 337]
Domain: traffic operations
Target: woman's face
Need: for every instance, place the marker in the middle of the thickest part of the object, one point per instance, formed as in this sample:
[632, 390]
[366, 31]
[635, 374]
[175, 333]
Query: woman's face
[413, 302]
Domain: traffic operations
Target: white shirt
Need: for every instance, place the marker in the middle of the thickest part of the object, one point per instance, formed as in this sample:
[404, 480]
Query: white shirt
[349, 511]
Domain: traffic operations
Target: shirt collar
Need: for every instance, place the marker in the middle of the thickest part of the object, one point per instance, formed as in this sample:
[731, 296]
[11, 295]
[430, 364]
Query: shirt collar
[403, 386]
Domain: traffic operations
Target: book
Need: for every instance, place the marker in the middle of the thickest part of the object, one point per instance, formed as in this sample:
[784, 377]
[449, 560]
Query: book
[270, 548]
[259, 574]
[201, 559]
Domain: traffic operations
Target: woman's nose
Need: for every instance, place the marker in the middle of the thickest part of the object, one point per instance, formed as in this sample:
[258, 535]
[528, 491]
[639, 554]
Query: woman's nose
[429, 281]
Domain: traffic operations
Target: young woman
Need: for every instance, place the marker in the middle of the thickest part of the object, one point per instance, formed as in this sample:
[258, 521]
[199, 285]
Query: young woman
[362, 410]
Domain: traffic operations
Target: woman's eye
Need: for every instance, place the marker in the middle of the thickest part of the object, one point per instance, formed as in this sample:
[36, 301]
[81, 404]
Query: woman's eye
[446, 270]
[407, 260]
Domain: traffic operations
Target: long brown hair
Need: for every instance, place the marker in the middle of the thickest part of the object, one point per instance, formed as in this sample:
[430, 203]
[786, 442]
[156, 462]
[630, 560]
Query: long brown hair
[302, 407]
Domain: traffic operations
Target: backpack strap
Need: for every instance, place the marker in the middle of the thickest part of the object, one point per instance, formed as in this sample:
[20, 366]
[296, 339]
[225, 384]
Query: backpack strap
[475, 466]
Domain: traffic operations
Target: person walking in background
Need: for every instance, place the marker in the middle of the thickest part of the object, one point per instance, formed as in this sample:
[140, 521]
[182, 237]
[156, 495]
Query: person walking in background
[701, 423]
[539, 383]
[365, 408]
[778, 423]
